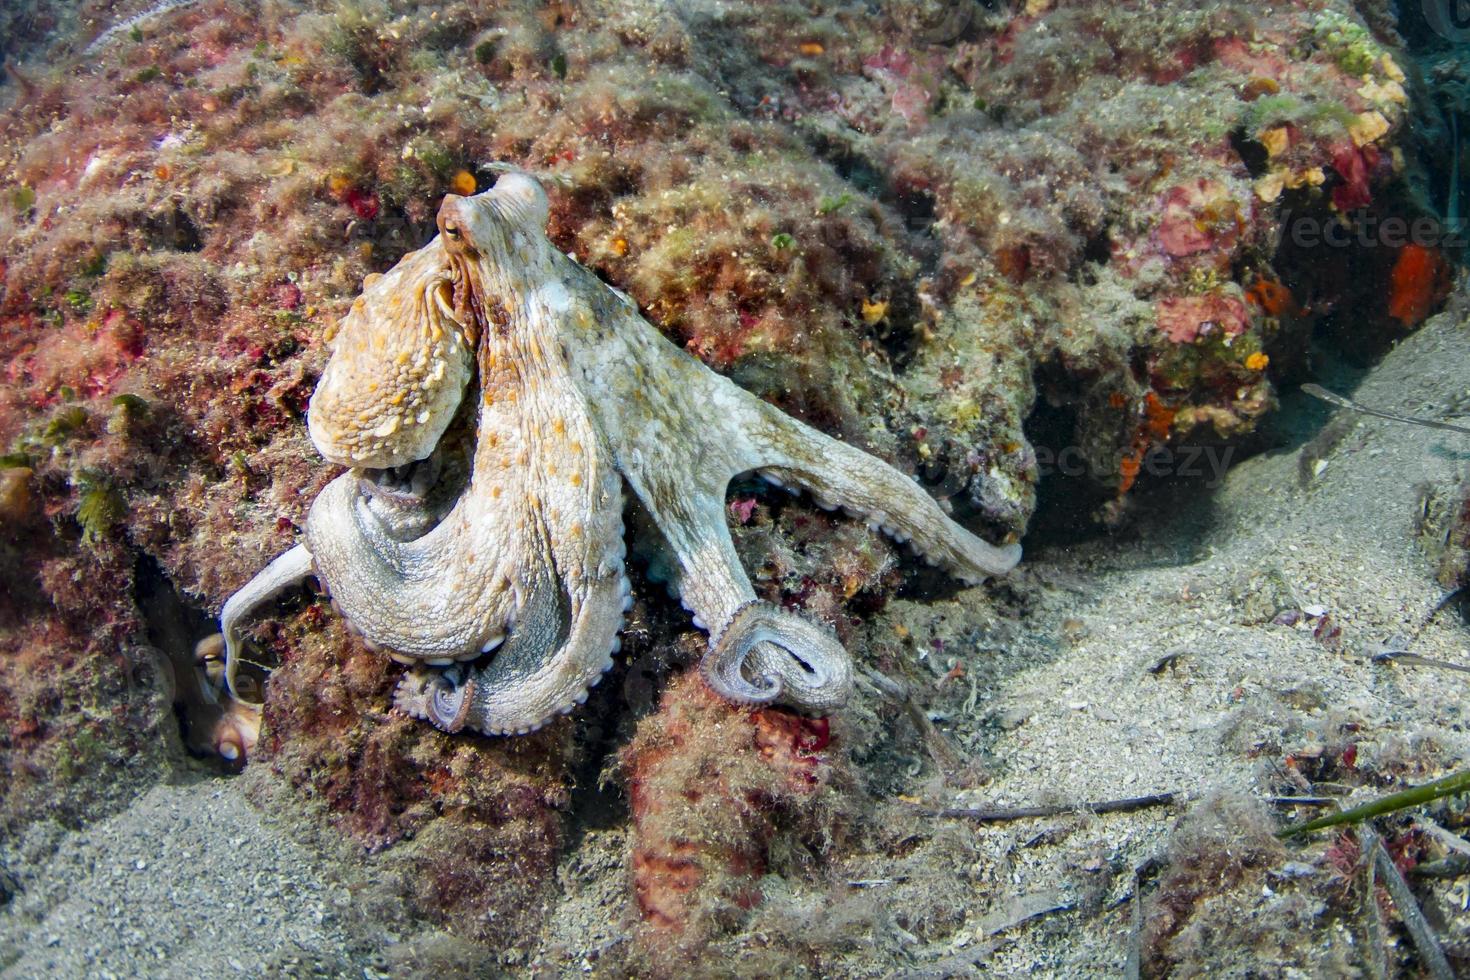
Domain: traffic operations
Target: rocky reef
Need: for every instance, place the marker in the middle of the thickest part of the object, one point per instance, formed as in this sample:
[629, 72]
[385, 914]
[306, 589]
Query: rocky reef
[1023, 252]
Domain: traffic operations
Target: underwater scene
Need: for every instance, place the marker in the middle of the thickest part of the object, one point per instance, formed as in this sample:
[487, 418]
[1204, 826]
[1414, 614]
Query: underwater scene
[618, 488]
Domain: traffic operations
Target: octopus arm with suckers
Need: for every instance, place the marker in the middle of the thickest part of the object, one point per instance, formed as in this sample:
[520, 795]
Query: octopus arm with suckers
[500, 578]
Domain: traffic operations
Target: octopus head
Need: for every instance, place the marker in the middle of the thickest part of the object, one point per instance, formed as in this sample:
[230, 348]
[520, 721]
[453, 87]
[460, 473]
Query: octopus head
[500, 229]
[401, 358]
[405, 351]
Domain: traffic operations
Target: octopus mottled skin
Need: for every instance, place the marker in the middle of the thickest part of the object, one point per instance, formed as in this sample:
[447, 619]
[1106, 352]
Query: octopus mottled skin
[480, 538]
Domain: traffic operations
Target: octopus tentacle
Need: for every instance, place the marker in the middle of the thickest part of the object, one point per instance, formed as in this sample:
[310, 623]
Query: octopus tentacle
[561, 643]
[823, 684]
[758, 654]
[437, 597]
[565, 515]
[725, 664]
[442, 698]
[528, 683]
[841, 475]
[287, 570]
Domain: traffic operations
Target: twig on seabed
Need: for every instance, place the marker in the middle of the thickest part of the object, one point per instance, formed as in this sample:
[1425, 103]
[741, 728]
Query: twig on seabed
[958, 965]
[1413, 659]
[999, 814]
[1450, 841]
[1403, 899]
[1445, 601]
[1454, 866]
[1014, 911]
[1317, 391]
[1377, 953]
[1133, 969]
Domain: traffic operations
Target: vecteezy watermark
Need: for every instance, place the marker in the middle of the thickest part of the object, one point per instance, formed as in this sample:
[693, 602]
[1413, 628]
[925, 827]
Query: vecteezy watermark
[1183, 462]
[1368, 230]
[1450, 19]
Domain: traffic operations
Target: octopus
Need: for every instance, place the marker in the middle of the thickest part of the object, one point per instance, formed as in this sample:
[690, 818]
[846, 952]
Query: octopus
[490, 399]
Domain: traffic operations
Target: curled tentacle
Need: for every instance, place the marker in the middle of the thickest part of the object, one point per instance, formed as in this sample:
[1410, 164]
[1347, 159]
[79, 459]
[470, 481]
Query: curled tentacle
[788, 659]
[724, 664]
[443, 698]
[399, 498]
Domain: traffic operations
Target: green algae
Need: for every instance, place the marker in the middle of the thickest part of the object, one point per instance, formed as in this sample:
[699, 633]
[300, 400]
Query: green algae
[100, 508]
[1350, 44]
[63, 425]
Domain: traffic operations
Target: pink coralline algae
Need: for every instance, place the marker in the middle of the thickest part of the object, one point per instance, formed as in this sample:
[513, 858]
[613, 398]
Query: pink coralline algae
[1198, 216]
[287, 296]
[743, 509]
[903, 78]
[1184, 319]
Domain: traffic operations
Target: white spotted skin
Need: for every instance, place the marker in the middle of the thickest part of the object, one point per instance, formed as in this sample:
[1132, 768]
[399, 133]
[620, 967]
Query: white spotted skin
[577, 394]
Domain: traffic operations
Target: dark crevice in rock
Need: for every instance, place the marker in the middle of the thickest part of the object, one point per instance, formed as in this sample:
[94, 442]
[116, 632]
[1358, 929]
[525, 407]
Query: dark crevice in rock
[917, 209]
[1339, 277]
[1097, 252]
[174, 627]
[173, 229]
[1250, 150]
[597, 803]
[853, 167]
[1078, 496]
[1067, 497]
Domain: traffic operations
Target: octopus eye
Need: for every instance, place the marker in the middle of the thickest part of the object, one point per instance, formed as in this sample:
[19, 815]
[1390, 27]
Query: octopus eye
[452, 230]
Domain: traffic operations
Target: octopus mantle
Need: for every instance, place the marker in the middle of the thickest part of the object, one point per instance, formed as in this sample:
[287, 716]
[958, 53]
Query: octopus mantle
[480, 538]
